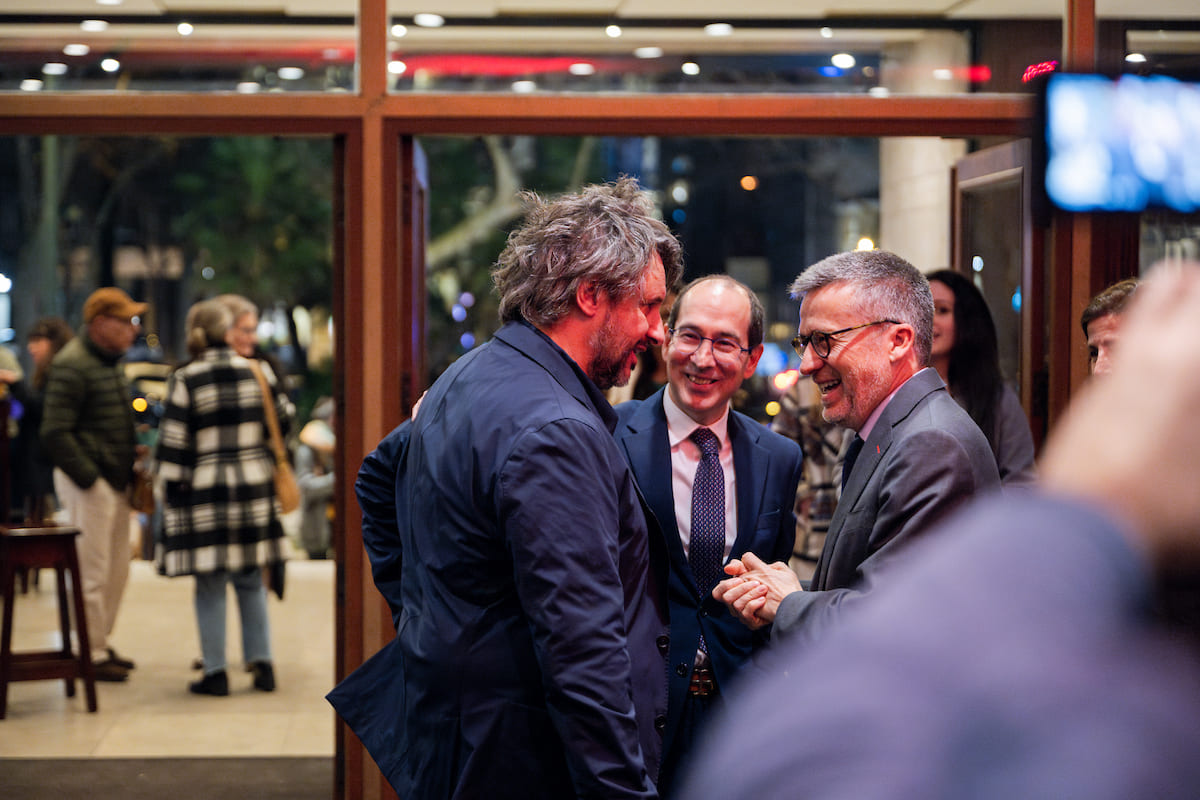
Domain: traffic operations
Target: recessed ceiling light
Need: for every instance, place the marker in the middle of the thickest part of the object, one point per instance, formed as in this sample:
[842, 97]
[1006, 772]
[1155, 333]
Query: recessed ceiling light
[613, 31]
[399, 30]
[185, 28]
[397, 67]
[648, 52]
[76, 49]
[582, 68]
[690, 68]
[429, 20]
[54, 68]
[943, 74]
[290, 73]
[110, 65]
[31, 85]
[826, 33]
[843, 60]
[718, 29]
[93, 25]
[523, 87]
[109, 2]
[1136, 58]
[248, 87]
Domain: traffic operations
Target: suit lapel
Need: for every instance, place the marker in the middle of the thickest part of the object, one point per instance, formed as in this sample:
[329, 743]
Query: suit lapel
[750, 463]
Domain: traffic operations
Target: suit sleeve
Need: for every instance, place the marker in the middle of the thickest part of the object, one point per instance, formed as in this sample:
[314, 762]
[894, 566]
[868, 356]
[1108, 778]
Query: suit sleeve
[924, 477]
[376, 488]
[560, 514]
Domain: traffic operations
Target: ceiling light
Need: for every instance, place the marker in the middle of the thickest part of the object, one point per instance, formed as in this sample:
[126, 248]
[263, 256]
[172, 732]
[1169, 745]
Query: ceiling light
[54, 68]
[613, 31]
[248, 87]
[31, 85]
[397, 68]
[429, 20]
[93, 25]
[523, 87]
[943, 74]
[690, 68]
[185, 28]
[76, 50]
[109, 2]
[399, 30]
[826, 33]
[843, 60]
[582, 68]
[110, 65]
[718, 29]
[290, 73]
[878, 91]
[1136, 58]
[648, 52]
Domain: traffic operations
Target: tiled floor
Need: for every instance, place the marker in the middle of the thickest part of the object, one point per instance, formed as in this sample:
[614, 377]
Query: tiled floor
[152, 714]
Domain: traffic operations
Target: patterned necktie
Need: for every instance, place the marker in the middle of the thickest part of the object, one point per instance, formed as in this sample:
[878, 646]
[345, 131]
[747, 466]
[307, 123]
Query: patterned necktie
[851, 456]
[707, 548]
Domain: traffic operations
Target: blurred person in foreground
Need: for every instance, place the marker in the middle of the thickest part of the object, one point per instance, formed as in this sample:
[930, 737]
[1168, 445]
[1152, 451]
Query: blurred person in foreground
[532, 591]
[1014, 652]
[719, 484]
[966, 355]
[217, 469]
[88, 432]
[866, 321]
[1101, 323]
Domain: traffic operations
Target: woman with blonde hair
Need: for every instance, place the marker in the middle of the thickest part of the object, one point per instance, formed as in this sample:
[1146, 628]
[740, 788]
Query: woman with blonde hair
[215, 463]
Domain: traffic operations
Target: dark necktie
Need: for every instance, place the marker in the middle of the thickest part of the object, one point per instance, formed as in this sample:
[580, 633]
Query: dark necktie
[851, 456]
[707, 548]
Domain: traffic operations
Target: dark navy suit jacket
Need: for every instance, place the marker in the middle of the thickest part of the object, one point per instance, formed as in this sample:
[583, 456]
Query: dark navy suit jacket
[767, 469]
[532, 593]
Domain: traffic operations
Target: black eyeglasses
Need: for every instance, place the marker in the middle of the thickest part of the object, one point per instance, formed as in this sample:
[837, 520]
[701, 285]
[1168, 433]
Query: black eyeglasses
[822, 341]
[687, 342]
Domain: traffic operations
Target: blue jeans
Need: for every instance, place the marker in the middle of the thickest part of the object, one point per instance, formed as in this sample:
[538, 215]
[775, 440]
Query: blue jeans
[210, 616]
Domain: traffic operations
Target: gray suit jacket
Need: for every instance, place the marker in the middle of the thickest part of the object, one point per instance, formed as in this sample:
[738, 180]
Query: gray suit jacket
[922, 459]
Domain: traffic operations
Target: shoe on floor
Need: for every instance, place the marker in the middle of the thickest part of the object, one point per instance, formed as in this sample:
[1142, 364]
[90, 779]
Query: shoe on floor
[109, 670]
[216, 684]
[264, 676]
[124, 663]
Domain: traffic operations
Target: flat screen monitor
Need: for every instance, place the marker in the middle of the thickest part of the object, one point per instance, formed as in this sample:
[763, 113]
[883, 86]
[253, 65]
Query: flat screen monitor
[1123, 144]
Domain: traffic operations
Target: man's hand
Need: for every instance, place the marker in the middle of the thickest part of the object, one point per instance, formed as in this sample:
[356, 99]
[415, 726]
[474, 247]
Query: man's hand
[754, 592]
[1129, 442]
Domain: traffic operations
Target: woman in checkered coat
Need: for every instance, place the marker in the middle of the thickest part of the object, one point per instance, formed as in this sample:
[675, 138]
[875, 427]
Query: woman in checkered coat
[217, 473]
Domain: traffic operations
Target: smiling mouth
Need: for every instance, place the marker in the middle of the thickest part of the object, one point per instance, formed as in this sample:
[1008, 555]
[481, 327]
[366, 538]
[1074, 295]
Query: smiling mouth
[825, 387]
[701, 381]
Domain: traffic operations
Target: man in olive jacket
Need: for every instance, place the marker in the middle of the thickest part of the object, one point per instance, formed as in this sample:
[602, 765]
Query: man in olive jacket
[88, 432]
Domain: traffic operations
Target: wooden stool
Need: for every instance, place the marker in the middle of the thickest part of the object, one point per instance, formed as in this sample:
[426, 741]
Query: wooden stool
[22, 548]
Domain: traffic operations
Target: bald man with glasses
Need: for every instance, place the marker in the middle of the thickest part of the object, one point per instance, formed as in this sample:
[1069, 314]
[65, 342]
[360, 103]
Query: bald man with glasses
[866, 320]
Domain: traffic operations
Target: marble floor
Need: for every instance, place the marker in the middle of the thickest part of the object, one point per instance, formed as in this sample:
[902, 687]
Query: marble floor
[153, 714]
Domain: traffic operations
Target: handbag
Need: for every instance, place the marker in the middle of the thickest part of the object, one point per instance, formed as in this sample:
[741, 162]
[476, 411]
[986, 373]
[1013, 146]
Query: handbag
[141, 491]
[287, 491]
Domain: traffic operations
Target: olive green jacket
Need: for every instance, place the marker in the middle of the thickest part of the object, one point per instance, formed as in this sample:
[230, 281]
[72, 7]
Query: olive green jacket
[87, 424]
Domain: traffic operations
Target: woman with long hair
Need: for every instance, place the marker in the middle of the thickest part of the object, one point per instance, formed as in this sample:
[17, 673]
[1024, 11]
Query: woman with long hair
[215, 462]
[965, 353]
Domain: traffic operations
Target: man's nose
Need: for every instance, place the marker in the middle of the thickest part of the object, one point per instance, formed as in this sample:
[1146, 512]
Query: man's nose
[704, 354]
[810, 362]
[655, 333]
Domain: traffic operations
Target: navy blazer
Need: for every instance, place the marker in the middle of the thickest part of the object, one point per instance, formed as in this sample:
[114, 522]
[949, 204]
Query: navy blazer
[767, 469]
[923, 458]
[532, 593]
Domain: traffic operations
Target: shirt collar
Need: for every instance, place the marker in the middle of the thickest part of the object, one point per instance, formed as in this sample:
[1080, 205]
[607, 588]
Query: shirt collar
[680, 426]
[878, 412]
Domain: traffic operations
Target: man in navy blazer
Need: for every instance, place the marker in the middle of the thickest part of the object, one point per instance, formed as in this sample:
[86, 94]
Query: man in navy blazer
[532, 581]
[714, 341]
[866, 320]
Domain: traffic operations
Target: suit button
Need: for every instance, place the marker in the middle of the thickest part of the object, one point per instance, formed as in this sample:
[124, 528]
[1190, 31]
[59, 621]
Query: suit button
[681, 670]
[664, 644]
[660, 723]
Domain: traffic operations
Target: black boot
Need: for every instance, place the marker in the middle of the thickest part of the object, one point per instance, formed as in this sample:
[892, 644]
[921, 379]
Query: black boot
[215, 684]
[264, 676]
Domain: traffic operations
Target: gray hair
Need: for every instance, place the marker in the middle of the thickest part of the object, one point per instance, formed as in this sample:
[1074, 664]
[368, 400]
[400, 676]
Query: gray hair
[605, 233]
[888, 288]
[754, 335]
[207, 323]
[238, 306]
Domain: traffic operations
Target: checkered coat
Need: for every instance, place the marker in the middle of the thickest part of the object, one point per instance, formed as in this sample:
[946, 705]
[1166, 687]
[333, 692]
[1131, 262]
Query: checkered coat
[214, 462]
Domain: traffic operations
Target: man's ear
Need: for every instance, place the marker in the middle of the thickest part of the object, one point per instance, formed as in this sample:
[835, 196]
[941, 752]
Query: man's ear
[590, 298]
[903, 340]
